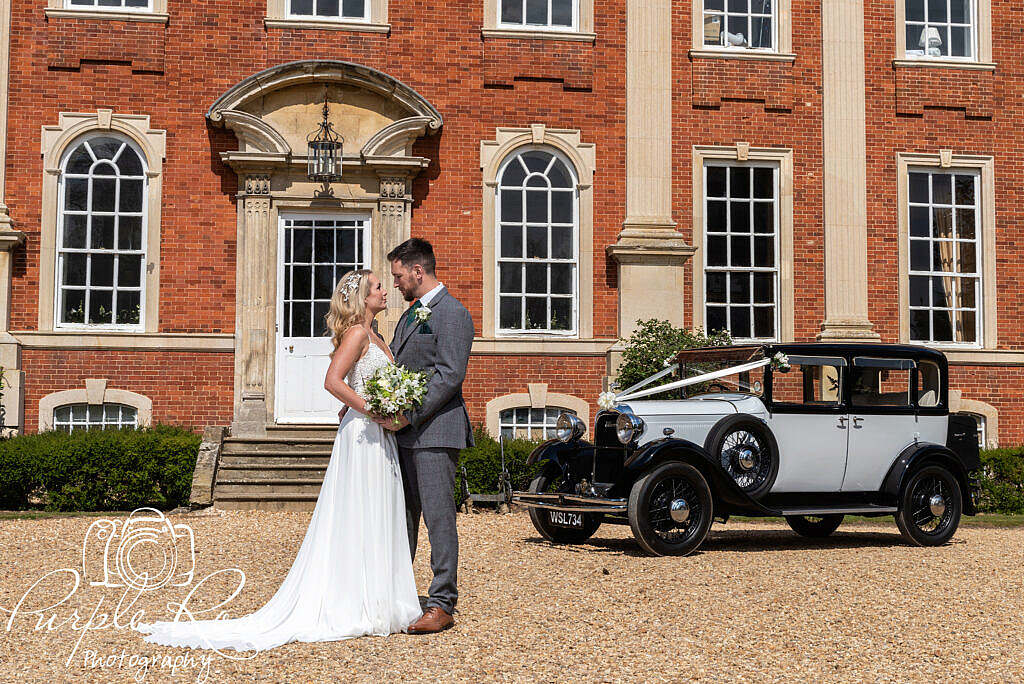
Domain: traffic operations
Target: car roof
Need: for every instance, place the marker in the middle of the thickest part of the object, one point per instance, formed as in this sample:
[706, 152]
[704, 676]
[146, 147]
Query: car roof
[860, 348]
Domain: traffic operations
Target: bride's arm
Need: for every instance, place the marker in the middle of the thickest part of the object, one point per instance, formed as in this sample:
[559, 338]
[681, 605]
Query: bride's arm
[353, 344]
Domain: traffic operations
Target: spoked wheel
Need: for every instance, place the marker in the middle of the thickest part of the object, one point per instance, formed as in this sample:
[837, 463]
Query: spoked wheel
[814, 525]
[930, 506]
[742, 446]
[670, 510]
[557, 527]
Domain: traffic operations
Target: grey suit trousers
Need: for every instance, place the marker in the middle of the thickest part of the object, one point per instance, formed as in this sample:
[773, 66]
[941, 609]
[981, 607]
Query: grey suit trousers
[428, 477]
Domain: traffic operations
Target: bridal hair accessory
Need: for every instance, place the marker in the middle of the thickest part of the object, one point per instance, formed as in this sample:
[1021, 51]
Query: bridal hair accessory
[349, 284]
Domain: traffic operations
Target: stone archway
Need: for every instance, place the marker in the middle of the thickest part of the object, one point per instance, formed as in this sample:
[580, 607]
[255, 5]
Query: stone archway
[271, 113]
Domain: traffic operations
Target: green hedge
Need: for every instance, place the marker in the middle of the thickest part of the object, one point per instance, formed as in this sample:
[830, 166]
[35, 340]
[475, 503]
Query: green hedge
[98, 470]
[1002, 480]
[483, 464]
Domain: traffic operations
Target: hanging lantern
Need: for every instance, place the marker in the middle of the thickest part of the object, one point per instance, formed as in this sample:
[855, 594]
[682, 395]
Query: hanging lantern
[325, 147]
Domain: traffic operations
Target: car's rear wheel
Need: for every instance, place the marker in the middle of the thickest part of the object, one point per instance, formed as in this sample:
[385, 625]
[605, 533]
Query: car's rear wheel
[551, 480]
[743, 446]
[814, 525]
[930, 506]
[671, 509]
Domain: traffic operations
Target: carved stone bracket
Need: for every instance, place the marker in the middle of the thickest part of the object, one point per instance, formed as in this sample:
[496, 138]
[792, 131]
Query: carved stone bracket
[257, 185]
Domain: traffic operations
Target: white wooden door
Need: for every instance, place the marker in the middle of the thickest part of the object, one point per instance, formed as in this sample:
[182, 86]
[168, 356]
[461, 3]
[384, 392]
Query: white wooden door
[314, 251]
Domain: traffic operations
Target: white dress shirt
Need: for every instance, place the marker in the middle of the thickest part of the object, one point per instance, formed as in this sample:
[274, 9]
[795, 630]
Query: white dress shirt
[429, 297]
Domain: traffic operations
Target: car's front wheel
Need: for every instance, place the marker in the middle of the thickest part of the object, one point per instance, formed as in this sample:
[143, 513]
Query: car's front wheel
[930, 506]
[671, 509]
[555, 526]
[816, 526]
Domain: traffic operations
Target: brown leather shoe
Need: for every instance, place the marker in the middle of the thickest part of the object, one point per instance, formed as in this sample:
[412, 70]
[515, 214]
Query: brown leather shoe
[434, 620]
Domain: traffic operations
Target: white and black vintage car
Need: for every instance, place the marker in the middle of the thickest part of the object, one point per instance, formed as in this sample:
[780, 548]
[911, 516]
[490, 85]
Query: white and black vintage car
[811, 432]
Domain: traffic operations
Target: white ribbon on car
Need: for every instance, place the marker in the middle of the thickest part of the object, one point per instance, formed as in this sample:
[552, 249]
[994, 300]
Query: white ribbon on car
[626, 396]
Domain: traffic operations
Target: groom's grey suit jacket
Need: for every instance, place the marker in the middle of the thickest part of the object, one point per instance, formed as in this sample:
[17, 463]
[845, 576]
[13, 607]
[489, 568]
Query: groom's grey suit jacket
[441, 345]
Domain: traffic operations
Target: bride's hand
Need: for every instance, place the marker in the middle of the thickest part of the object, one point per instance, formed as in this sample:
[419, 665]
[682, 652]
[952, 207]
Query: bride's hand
[342, 412]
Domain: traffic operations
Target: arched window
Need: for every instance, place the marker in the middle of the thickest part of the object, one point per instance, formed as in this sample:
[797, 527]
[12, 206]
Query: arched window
[538, 246]
[530, 423]
[83, 416]
[101, 242]
[982, 432]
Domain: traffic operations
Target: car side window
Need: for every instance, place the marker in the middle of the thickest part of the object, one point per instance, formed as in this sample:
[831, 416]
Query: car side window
[928, 383]
[881, 382]
[809, 381]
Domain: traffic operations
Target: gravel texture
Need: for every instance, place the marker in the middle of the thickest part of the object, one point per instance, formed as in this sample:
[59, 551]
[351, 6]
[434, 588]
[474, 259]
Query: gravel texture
[757, 603]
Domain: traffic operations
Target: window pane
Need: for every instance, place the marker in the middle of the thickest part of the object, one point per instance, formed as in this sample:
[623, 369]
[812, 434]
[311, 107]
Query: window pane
[764, 288]
[103, 191]
[760, 32]
[511, 312]
[79, 161]
[959, 42]
[716, 181]
[129, 232]
[918, 291]
[942, 327]
[128, 311]
[739, 182]
[960, 11]
[537, 278]
[511, 205]
[327, 8]
[536, 242]
[511, 241]
[967, 258]
[537, 206]
[354, 8]
[764, 322]
[739, 288]
[512, 11]
[915, 10]
[102, 236]
[764, 183]
[942, 222]
[536, 313]
[740, 248]
[73, 306]
[919, 329]
[919, 222]
[74, 231]
[129, 269]
[76, 194]
[561, 313]
[739, 215]
[129, 163]
[716, 287]
[561, 242]
[942, 192]
[918, 187]
[537, 12]
[764, 252]
[739, 321]
[717, 250]
[966, 326]
[101, 309]
[716, 318]
[561, 207]
[716, 216]
[74, 269]
[561, 279]
[102, 271]
[965, 190]
[561, 12]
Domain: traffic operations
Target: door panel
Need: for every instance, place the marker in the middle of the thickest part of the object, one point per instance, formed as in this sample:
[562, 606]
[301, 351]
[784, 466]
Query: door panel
[812, 450]
[314, 252]
[875, 442]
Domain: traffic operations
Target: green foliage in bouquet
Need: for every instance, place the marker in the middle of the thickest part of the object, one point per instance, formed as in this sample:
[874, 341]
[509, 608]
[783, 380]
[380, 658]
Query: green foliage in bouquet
[1002, 480]
[483, 463]
[98, 470]
[394, 389]
[655, 341]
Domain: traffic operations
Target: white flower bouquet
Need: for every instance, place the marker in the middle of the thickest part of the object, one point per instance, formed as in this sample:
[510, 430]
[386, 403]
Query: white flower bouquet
[780, 362]
[394, 389]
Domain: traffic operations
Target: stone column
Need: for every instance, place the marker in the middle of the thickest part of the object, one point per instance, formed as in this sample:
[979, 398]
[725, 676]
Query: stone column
[393, 226]
[5, 62]
[254, 318]
[651, 253]
[844, 173]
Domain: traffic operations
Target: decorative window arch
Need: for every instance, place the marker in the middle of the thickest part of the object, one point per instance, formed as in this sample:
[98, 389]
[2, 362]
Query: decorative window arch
[986, 414]
[100, 227]
[100, 403]
[570, 166]
[536, 399]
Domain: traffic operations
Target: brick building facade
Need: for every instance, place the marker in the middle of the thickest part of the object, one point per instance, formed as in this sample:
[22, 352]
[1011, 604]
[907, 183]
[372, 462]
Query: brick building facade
[578, 167]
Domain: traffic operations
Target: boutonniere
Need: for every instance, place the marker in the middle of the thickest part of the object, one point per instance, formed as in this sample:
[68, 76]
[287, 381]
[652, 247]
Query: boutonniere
[423, 314]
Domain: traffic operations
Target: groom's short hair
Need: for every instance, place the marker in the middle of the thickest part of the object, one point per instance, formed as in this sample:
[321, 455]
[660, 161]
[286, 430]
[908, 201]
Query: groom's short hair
[415, 251]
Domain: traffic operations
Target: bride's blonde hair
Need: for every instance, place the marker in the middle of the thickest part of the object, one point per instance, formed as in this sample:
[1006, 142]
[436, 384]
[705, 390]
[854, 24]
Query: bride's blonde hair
[348, 304]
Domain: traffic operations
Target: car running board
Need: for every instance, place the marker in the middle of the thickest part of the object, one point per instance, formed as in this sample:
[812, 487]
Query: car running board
[817, 510]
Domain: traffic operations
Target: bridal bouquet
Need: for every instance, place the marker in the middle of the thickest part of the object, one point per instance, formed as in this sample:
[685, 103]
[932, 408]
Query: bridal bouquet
[394, 389]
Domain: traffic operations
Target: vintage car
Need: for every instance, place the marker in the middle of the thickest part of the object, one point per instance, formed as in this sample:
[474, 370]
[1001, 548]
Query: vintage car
[811, 432]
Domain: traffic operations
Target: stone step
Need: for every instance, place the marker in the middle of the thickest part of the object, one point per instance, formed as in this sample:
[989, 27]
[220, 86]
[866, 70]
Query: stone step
[301, 431]
[271, 439]
[267, 489]
[269, 471]
[236, 460]
[276, 504]
[278, 447]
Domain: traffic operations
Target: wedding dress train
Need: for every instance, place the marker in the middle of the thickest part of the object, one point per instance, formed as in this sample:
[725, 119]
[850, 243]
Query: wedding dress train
[352, 575]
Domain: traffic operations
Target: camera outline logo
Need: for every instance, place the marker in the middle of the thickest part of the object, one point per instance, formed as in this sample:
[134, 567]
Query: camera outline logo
[143, 529]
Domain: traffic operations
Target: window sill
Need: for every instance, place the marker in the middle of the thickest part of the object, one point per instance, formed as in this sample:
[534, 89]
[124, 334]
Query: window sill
[108, 15]
[548, 344]
[119, 339]
[743, 54]
[325, 25]
[942, 64]
[532, 34]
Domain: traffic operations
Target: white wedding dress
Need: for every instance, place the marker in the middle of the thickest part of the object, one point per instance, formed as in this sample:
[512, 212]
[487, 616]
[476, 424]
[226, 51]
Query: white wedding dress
[353, 574]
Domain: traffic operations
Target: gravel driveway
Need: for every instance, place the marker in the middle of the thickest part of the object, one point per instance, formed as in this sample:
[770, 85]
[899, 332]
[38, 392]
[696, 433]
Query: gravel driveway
[757, 603]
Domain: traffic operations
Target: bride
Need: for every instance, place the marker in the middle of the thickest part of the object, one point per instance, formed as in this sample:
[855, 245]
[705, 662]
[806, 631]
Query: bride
[353, 574]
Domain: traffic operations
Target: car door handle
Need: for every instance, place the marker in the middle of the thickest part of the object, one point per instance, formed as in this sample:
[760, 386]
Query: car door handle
[856, 422]
[842, 422]
[291, 348]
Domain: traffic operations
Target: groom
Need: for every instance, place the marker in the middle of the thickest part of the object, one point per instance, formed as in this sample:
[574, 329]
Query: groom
[430, 436]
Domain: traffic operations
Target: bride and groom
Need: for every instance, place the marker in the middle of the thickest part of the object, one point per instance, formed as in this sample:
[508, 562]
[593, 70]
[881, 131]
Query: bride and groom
[353, 574]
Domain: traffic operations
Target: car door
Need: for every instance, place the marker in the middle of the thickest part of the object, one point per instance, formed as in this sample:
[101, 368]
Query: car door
[810, 423]
[882, 419]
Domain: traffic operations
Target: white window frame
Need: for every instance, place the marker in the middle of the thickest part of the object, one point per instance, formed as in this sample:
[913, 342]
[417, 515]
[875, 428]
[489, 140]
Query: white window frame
[530, 426]
[154, 12]
[575, 26]
[367, 9]
[972, 34]
[981, 40]
[776, 243]
[73, 425]
[96, 7]
[60, 250]
[977, 276]
[725, 14]
[573, 330]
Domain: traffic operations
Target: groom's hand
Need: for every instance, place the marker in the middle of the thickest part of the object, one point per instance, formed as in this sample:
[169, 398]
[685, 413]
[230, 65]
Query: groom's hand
[394, 424]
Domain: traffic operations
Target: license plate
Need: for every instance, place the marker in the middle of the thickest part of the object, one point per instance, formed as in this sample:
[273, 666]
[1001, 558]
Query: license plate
[563, 519]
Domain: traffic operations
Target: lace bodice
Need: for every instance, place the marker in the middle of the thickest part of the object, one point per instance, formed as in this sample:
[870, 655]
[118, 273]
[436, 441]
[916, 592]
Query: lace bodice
[365, 367]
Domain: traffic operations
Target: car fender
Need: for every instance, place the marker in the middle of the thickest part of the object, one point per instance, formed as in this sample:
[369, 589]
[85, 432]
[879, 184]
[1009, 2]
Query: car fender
[554, 449]
[921, 452]
[723, 487]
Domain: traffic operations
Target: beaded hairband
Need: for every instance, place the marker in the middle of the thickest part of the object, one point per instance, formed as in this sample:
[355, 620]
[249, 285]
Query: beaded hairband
[350, 284]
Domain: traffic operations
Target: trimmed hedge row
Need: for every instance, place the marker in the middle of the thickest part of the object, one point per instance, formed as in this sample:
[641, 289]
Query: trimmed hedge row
[1002, 480]
[483, 464]
[98, 470]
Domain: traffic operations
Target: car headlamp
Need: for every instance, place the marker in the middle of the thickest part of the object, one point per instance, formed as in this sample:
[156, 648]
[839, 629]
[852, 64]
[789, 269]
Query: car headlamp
[628, 427]
[569, 427]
